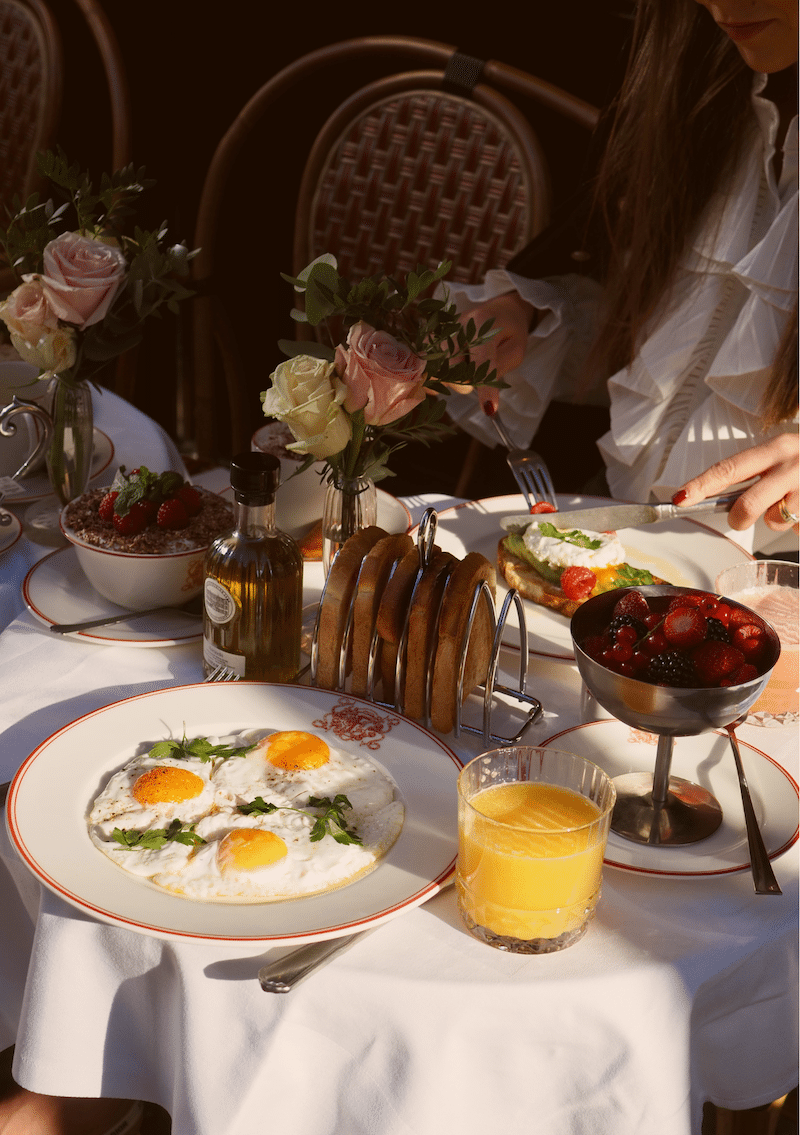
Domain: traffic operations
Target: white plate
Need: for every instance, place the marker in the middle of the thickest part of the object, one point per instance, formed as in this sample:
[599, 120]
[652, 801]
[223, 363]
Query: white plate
[70, 766]
[706, 760]
[684, 552]
[37, 485]
[393, 516]
[56, 591]
[9, 533]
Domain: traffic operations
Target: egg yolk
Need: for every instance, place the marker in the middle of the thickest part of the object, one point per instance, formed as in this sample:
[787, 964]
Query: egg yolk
[294, 749]
[167, 785]
[248, 848]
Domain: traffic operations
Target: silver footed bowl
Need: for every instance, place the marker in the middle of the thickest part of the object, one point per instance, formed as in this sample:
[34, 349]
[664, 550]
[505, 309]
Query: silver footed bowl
[673, 711]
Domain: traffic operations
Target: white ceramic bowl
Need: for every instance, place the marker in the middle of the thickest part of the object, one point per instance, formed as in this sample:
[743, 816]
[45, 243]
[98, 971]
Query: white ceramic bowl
[300, 499]
[139, 581]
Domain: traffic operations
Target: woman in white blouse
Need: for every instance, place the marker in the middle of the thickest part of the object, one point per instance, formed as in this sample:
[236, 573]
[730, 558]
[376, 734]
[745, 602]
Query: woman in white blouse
[694, 215]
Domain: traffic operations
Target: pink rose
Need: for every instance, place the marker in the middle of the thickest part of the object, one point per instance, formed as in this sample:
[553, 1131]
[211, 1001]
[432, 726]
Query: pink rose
[81, 277]
[26, 311]
[383, 377]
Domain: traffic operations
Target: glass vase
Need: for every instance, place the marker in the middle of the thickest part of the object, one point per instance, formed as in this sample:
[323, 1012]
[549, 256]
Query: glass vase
[69, 455]
[350, 505]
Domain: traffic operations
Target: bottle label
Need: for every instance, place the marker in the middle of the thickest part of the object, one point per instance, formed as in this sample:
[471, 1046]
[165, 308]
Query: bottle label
[219, 603]
[213, 656]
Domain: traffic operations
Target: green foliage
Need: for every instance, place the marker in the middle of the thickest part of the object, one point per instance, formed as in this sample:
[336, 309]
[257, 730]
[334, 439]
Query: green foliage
[156, 838]
[331, 822]
[200, 748]
[155, 270]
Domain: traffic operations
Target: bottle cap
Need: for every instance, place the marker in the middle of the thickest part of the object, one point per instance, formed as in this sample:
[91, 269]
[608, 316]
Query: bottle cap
[255, 475]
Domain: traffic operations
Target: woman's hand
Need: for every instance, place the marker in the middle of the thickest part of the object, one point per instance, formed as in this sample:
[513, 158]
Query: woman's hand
[776, 463]
[512, 317]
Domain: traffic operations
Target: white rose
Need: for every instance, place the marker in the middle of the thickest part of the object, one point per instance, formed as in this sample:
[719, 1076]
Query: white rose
[54, 350]
[307, 395]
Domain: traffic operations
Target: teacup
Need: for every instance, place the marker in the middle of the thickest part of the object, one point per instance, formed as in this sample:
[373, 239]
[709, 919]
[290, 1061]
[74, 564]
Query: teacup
[301, 496]
[24, 424]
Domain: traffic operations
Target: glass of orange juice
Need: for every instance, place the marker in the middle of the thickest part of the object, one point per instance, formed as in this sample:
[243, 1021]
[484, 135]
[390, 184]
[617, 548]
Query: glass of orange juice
[532, 829]
[770, 588]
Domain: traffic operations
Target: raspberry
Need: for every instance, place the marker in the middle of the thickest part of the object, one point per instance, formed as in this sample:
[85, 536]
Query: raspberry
[172, 514]
[191, 499]
[684, 626]
[714, 661]
[106, 508]
[578, 582]
[632, 603]
[133, 522]
[671, 669]
[543, 506]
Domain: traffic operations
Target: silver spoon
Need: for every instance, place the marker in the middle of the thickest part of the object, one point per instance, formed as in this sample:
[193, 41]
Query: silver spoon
[193, 608]
[764, 881]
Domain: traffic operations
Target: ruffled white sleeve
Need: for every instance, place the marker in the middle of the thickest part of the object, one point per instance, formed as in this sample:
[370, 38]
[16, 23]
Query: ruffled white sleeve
[556, 351]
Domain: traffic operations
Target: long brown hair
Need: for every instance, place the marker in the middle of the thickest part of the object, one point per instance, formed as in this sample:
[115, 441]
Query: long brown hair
[678, 123]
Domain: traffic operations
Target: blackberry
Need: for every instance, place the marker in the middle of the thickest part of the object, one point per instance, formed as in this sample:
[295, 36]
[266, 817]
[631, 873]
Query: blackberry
[717, 631]
[627, 621]
[671, 669]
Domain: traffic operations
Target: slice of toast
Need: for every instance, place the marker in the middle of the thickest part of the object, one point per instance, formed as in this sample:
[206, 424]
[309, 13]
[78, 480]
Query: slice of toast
[375, 571]
[335, 606]
[422, 622]
[467, 574]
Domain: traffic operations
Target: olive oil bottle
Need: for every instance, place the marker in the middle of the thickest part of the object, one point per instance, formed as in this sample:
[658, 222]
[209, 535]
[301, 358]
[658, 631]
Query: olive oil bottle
[253, 590]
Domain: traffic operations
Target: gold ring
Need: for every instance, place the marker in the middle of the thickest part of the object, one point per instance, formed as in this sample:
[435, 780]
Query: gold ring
[786, 516]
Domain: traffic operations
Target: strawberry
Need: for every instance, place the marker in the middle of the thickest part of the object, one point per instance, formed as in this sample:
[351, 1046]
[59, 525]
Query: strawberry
[133, 522]
[543, 506]
[691, 599]
[191, 499]
[684, 626]
[578, 582]
[106, 508]
[745, 673]
[172, 514]
[632, 603]
[714, 661]
[750, 639]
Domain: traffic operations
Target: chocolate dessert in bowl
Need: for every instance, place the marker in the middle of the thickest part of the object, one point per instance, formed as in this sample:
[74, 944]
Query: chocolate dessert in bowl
[141, 542]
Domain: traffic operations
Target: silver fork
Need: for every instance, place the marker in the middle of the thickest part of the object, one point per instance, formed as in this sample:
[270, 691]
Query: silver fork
[530, 471]
[222, 673]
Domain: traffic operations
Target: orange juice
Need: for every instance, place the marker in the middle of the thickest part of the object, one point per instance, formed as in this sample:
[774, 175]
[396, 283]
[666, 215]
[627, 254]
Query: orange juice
[530, 859]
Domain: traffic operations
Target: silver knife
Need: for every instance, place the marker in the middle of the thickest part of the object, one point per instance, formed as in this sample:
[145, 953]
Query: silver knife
[611, 517]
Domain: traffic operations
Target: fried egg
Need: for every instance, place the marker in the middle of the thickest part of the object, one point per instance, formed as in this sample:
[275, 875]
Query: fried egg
[250, 857]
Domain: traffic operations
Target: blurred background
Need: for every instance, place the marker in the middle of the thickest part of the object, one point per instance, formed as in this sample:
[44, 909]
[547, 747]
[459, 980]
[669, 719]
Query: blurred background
[190, 68]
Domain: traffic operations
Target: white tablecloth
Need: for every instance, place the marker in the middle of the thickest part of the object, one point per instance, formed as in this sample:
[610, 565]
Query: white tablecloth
[681, 991]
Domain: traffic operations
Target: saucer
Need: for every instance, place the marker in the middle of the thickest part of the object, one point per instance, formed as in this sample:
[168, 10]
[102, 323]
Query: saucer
[10, 531]
[56, 591]
[37, 485]
[706, 760]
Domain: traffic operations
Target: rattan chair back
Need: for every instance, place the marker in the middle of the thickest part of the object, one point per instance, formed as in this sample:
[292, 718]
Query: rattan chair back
[417, 167]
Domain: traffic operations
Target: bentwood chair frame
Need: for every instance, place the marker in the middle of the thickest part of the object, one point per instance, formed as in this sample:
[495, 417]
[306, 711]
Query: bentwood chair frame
[429, 163]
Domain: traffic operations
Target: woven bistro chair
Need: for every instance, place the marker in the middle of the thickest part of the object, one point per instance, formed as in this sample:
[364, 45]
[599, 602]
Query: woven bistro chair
[431, 161]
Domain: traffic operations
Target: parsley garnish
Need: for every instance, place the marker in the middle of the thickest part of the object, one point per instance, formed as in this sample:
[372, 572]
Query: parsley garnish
[576, 537]
[155, 838]
[200, 748]
[331, 822]
[628, 576]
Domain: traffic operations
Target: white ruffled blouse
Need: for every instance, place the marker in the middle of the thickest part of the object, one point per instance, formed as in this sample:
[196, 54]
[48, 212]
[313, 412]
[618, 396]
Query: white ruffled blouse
[692, 395]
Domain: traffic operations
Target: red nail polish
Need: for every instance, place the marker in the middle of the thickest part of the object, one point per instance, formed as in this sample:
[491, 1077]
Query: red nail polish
[680, 496]
[488, 409]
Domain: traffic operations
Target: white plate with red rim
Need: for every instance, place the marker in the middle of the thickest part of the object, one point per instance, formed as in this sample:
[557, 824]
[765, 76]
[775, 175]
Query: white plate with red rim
[686, 553]
[72, 765]
[37, 485]
[705, 759]
[56, 591]
[10, 530]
